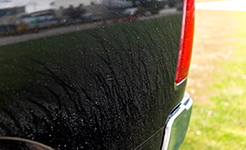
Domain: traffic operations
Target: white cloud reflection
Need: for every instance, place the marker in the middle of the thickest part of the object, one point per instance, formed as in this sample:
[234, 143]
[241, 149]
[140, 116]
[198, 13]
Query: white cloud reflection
[31, 5]
[37, 5]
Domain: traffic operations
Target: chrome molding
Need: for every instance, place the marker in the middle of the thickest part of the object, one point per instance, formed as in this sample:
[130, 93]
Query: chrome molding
[177, 124]
[28, 144]
[176, 85]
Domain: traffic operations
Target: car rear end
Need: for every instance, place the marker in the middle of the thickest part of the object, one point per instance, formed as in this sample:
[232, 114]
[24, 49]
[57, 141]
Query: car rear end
[115, 82]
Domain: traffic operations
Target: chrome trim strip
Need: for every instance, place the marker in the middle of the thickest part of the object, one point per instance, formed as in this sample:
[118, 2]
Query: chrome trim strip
[177, 84]
[30, 142]
[177, 124]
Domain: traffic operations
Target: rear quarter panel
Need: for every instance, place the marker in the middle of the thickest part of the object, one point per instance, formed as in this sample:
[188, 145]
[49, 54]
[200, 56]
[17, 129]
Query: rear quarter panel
[94, 84]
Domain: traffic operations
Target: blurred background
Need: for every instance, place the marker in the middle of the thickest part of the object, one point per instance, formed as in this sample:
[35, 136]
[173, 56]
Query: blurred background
[217, 77]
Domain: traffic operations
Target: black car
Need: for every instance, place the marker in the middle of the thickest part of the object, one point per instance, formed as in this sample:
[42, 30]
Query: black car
[110, 82]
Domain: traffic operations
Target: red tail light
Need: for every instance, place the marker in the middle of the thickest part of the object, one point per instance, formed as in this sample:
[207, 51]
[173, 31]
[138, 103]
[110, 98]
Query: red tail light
[186, 41]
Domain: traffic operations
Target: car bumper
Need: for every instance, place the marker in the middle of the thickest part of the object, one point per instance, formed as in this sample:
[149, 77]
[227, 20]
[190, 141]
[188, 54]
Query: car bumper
[177, 124]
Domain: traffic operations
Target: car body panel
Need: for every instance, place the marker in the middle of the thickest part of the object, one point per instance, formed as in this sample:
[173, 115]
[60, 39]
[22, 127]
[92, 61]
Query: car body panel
[101, 83]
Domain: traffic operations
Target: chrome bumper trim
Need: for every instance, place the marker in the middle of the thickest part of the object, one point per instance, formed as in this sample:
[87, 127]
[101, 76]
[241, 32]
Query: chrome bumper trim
[177, 124]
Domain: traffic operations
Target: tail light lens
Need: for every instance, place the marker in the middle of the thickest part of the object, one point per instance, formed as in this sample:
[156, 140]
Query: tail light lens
[186, 41]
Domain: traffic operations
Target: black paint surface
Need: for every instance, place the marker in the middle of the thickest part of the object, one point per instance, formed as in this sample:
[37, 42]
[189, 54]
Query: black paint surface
[106, 87]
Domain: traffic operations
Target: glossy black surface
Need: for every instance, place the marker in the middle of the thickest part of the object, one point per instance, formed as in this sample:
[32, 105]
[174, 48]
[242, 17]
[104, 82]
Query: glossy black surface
[88, 76]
